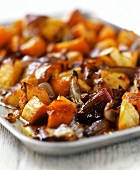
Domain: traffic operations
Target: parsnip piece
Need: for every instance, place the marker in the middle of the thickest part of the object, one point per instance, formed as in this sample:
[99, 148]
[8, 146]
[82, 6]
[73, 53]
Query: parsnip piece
[10, 73]
[128, 59]
[12, 97]
[115, 79]
[28, 91]
[34, 110]
[128, 117]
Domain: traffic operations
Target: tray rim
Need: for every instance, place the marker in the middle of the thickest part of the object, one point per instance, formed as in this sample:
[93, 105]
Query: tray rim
[65, 148]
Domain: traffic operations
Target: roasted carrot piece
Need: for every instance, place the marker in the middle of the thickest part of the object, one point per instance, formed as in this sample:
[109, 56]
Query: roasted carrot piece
[79, 44]
[5, 36]
[74, 18]
[60, 86]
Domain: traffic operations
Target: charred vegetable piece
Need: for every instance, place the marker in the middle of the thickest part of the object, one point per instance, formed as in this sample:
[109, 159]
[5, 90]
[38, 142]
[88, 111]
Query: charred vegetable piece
[98, 128]
[93, 109]
[75, 90]
[62, 133]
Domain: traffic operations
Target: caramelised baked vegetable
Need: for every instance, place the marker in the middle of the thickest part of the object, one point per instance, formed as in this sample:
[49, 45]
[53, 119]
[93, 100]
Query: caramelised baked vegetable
[69, 79]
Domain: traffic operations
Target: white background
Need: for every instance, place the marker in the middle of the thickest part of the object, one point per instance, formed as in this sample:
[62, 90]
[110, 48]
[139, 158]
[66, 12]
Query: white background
[125, 13]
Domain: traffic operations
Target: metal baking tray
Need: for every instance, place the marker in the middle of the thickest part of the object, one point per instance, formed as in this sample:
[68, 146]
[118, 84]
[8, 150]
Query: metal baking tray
[65, 148]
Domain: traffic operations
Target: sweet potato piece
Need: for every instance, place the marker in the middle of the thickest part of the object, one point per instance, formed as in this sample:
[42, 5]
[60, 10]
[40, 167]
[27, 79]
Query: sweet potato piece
[128, 117]
[5, 36]
[10, 73]
[60, 112]
[34, 111]
[79, 44]
[74, 18]
[60, 86]
[28, 91]
[34, 47]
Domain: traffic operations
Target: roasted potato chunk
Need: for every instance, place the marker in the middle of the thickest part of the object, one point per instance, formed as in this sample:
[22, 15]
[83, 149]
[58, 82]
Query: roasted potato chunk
[114, 79]
[10, 73]
[34, 111]
[128, 59]
[128, 117]
[12, 97]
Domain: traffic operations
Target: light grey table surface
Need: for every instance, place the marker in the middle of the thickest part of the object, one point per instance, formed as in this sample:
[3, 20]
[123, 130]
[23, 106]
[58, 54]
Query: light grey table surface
[15, 156]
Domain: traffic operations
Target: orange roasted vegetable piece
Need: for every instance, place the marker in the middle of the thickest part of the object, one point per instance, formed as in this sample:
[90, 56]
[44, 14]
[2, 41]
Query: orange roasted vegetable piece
[79, 44]
[74, 18]
[60, 86]
[35, 111]
[5, 36]
[34, 47]
[60, 112]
